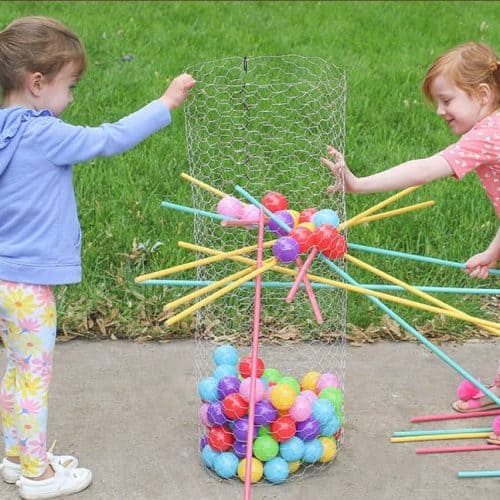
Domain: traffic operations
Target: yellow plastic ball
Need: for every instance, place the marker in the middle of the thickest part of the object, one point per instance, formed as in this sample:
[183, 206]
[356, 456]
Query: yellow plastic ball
[309, 226]
[256, 472]
[295, 216]
[309, 380]
[293, 466]
[329, 449]
[282, 396]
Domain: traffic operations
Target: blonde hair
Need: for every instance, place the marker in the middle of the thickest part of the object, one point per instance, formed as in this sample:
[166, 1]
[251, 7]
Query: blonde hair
[37, 43]
[467, 66]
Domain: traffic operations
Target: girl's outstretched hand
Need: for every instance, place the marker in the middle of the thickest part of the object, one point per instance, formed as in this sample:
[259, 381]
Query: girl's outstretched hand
[339, 170]
[178, 91]
[477, 266]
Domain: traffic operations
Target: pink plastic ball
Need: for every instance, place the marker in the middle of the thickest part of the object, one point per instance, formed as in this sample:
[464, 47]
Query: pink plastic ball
[327, 380]
[245, 387]
[230, 207]
[310, 395]
[203, 414]
[250, 213]
[301, 409]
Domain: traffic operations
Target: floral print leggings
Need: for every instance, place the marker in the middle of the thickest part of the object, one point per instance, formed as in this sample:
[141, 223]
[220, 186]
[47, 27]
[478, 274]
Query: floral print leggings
[28, 330]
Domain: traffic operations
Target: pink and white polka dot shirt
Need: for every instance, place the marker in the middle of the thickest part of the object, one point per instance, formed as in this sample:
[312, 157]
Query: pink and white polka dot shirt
[479, 150]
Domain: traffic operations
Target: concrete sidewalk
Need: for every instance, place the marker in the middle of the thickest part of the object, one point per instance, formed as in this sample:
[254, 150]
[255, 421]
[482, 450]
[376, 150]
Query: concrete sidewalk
[129, 412]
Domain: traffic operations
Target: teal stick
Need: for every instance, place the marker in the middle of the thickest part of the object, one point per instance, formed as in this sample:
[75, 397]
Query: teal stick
[441, 431]
[479, 473]
[196, 211]
[438, 352]
[411, 256]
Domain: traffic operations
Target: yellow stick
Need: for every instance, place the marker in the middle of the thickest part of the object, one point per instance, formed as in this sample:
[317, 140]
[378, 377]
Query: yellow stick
[392, 213]
[434, 437]
[202, 185]
[267, 265]
[202, 291]
[352, 288]
[200, 262]
[378, 206]
[415, 291]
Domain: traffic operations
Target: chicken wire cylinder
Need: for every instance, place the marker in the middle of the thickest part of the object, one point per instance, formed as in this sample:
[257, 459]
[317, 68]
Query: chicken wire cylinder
[262, 123]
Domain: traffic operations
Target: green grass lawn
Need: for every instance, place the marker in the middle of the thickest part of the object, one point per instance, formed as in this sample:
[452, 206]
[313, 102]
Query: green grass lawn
[384, 49]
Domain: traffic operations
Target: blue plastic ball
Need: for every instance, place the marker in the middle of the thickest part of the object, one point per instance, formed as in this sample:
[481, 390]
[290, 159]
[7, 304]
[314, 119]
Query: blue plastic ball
[292, 450]
[330, 427]
[226, 464]
[208, 455]
[325, 216]
[276, 470]
[225, 370]
[323, 410]
[226, 355]
[313, 450]
[207, 389]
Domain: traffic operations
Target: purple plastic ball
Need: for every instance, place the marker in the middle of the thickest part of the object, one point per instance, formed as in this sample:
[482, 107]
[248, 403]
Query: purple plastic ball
[227, 385]
[265, 413]
[203, 441]
[308, 429]
[284, 216]
[240, 429]
[286, 249]
[215, 415]
[240, 449]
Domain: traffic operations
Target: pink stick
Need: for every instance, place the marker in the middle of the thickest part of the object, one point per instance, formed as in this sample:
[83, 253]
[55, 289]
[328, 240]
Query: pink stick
[310, 294]
[255, 354]
[454, 416]
[301, 274]
[454, 449]
[239, 222]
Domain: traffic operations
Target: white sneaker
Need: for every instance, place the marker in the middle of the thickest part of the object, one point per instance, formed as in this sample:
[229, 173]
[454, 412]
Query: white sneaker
[11, 471]
[64, 482]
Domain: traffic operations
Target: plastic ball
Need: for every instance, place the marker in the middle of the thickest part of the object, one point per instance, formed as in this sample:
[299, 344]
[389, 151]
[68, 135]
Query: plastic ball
[323, 410]
[292, 450]
[286, 218]
[225, 355]
[228, 385]
[466, 390]
[327, 380]
[240, 429]
[335, 395]
[325, 216]
[276, 470]
[230, 207]
[303, 236]
[215, 415]
[295, 215]
[308, 429]
[203, 441]
[250, 213]
[329, 449]
[272, 375]
[313, 451]
[240, 449]
[292, 382]
[274, 201]
[245, 388]
[225, 371]
[310, 395]
[301, 408]
[336, 249]
[245, 367]
[265, 412]
[496, 426]
[282, 396]
[220, 438]
[256, 470]
[283, 428]
[207, 389]
[330, 427]
[286, 249]
[325, 238]
[309, 380]
[202, 413]
[226, 465]
[264, 430]
[294, 466]
[265, 448]
[307, 214]
[208, 455]
[307, 225]
[234, 406]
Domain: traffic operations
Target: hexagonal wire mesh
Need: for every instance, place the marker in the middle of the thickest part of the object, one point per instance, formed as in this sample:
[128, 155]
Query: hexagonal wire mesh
[262, 123]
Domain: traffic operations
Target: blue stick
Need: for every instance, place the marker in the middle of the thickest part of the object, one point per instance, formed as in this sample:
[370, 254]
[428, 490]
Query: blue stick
[412, 256]
[479, 473]
[444, 357]
[196, 211]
